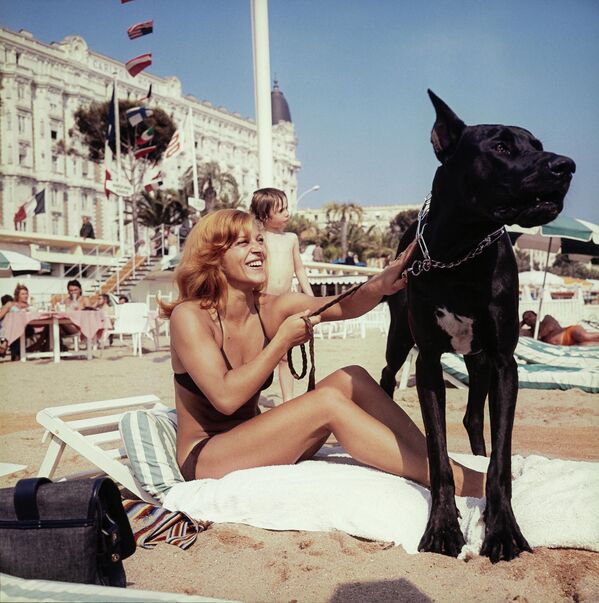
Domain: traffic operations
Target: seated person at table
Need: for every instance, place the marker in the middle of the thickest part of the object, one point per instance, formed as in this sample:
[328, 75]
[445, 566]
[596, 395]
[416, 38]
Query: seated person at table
[74, 301]
[20, 302]
[550, 331]
[227, 337]
[4, 308]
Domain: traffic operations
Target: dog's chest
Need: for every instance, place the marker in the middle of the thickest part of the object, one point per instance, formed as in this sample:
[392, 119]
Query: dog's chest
[459, 329]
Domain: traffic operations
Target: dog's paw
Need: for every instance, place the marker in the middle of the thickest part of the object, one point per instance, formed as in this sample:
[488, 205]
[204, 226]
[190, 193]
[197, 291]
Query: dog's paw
[503, 539]
[442, 536]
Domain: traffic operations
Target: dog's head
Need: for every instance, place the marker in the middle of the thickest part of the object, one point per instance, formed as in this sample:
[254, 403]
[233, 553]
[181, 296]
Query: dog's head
[501, 172]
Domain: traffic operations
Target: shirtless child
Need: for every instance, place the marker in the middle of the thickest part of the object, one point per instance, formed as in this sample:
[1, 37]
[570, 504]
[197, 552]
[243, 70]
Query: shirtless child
[269, 206]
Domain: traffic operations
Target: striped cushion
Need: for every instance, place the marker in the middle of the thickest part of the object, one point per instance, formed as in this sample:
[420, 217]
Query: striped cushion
[150, 437]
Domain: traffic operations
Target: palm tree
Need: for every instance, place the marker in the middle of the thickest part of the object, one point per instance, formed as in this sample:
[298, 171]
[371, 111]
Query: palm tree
[343, 214]
[305, 229]
[161, 207]
[218, 189]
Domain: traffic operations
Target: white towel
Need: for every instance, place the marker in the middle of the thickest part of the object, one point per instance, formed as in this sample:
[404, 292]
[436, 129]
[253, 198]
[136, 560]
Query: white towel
[554, 501]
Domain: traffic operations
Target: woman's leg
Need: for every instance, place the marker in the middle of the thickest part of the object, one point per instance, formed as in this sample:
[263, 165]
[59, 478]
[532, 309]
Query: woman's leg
[349, 404]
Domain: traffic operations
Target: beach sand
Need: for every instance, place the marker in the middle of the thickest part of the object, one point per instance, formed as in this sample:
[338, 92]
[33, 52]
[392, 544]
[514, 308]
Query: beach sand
[250, 564]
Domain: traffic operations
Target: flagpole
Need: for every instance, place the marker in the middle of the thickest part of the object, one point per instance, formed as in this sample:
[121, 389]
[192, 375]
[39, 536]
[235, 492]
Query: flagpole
[117, 138]
[194, 166]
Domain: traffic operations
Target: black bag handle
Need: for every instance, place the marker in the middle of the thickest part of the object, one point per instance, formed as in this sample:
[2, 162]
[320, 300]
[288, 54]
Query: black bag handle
[25, 498]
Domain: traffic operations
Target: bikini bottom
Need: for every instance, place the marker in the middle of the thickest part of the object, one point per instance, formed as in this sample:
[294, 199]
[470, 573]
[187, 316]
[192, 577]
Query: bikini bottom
[188, 468]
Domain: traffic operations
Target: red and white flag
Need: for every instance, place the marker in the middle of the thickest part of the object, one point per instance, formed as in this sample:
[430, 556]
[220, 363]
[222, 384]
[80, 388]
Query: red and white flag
[138, 64]
[144, 151]
[154, 182]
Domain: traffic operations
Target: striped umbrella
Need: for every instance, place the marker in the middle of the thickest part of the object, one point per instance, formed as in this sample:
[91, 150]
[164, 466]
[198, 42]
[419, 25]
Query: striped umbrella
[577, 238]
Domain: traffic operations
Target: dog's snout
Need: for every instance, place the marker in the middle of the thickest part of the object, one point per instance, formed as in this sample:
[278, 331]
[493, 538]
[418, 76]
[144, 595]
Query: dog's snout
[561, 166]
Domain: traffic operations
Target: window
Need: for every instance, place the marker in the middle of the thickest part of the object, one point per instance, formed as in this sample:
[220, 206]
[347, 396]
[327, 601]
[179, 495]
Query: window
[53, 134]
[56, 223]
[20, 91]
[55, 164]
[21, 122]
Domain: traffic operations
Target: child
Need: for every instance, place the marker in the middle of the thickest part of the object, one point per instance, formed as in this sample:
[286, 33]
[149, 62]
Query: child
[269, 206]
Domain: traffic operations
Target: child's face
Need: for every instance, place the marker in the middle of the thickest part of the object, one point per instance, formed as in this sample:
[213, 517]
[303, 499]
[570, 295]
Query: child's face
[279, 216]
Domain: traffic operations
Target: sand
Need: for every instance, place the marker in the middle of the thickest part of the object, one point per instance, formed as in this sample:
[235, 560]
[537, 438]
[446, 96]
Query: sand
[250, 564]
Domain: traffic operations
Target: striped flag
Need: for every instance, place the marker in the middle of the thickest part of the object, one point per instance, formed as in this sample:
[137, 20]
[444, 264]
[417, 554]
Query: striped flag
[136, 115]
[140, 29]
[145, 137]
[35, 205]
[138, 64]
[178, 141]
[125, 1]
[108, 161]
[144, 151]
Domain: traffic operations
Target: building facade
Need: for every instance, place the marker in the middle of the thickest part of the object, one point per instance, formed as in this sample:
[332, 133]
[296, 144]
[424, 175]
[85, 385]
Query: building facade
[44, 84]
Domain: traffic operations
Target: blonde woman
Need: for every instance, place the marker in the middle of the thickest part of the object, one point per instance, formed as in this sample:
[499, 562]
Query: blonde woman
[227, 337]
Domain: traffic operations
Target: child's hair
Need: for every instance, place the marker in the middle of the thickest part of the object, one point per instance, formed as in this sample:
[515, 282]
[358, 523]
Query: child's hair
[199, 274]
[265, 201]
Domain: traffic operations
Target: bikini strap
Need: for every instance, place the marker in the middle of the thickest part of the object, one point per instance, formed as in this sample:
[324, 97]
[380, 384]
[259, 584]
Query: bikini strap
[261, 323]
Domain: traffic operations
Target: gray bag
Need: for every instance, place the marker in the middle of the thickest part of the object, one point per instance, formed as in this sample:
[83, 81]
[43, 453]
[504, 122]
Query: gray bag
[71, 531]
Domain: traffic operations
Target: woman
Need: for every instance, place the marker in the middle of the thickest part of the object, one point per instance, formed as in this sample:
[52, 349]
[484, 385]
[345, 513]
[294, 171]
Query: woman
[226, 340]
[19, 303]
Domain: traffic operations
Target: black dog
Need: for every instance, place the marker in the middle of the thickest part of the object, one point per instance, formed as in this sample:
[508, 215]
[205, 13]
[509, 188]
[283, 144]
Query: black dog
[462, 296]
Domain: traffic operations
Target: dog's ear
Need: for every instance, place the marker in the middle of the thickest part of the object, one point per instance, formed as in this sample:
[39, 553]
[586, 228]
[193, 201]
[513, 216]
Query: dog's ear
[447, 129]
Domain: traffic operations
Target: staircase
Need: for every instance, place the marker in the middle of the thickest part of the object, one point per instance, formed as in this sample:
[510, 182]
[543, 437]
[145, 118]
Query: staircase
[129, 271]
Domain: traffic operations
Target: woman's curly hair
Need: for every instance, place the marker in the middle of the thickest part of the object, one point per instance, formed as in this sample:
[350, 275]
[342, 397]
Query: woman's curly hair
[199, 275]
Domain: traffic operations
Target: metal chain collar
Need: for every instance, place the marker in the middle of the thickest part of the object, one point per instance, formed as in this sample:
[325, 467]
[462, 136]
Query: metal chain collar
[426, 264]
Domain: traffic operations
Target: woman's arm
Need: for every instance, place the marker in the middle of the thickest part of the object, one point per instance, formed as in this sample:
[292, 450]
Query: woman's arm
[192, 339]
[299, 269]
[387, 282]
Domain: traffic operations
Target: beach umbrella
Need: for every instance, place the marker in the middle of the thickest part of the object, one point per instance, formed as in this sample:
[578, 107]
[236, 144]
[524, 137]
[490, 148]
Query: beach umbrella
[577, 238]
[13, 262]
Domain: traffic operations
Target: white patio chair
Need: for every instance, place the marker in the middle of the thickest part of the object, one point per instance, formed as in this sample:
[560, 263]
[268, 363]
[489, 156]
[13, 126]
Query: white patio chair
[95, 436]
[132, 319]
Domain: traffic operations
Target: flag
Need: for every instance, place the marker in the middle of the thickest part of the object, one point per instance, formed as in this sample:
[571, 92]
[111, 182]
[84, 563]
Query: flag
[138, 64]
[125, 1]
[140, 29]
[35, 205]
[146, 98]
[108, 160]
[177, 142]
[111, 128]
[145, 137]
[154, 182]
[144, 151]
[137, 114]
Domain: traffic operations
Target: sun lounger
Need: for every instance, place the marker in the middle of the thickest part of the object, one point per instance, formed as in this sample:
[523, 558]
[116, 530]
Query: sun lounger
[533, 351]
[92, 430]
[19, 589]
[534, 376]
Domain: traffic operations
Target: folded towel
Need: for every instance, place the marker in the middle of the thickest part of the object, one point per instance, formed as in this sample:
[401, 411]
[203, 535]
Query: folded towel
[555, 501]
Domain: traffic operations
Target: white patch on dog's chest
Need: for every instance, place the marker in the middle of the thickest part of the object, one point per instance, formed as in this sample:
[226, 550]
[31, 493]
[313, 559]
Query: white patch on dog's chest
[459, 329]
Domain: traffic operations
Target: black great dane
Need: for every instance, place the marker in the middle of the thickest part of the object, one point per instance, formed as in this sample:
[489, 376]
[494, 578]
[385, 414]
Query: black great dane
[462, 296]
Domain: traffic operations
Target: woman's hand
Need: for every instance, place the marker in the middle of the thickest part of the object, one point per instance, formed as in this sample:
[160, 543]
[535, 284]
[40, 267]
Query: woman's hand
[390, 280]
[293, 329]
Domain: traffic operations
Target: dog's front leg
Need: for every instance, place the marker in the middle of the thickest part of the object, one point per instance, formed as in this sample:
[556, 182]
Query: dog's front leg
[442, 533]
[503, 538]
[474, 419]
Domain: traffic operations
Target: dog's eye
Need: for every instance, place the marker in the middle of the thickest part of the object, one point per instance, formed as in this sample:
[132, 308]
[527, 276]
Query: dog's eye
[500, 147]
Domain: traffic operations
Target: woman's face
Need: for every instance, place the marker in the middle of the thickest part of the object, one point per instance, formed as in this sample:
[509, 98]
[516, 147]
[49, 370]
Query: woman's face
[244, 261]
[23, 296]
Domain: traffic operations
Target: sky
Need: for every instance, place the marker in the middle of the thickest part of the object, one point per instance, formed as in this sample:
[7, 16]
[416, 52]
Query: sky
[355, 75]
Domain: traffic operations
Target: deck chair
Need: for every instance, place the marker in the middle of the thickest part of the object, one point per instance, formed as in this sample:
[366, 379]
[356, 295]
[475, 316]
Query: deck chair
[533, 351]
[86, 428]
[534, 376]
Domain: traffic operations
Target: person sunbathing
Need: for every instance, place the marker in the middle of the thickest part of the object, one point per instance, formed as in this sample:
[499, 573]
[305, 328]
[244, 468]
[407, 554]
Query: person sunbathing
[550, 331]
[227, 337]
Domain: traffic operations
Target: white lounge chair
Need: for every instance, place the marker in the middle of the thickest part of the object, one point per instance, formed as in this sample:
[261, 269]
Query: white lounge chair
[533, 351]
[94, 434]
[133, 319]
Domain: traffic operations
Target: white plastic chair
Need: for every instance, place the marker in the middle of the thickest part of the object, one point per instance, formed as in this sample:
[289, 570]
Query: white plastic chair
[132, 319]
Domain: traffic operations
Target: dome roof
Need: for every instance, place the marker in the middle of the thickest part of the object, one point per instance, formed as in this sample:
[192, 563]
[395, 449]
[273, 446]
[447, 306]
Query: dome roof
[280, 108]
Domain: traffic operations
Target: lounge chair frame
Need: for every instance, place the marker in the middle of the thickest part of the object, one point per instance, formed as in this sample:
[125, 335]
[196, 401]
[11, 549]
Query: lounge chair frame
[66, 427]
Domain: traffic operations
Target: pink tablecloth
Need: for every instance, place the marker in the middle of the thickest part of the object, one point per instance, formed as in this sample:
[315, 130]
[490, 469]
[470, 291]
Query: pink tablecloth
[89, 322]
